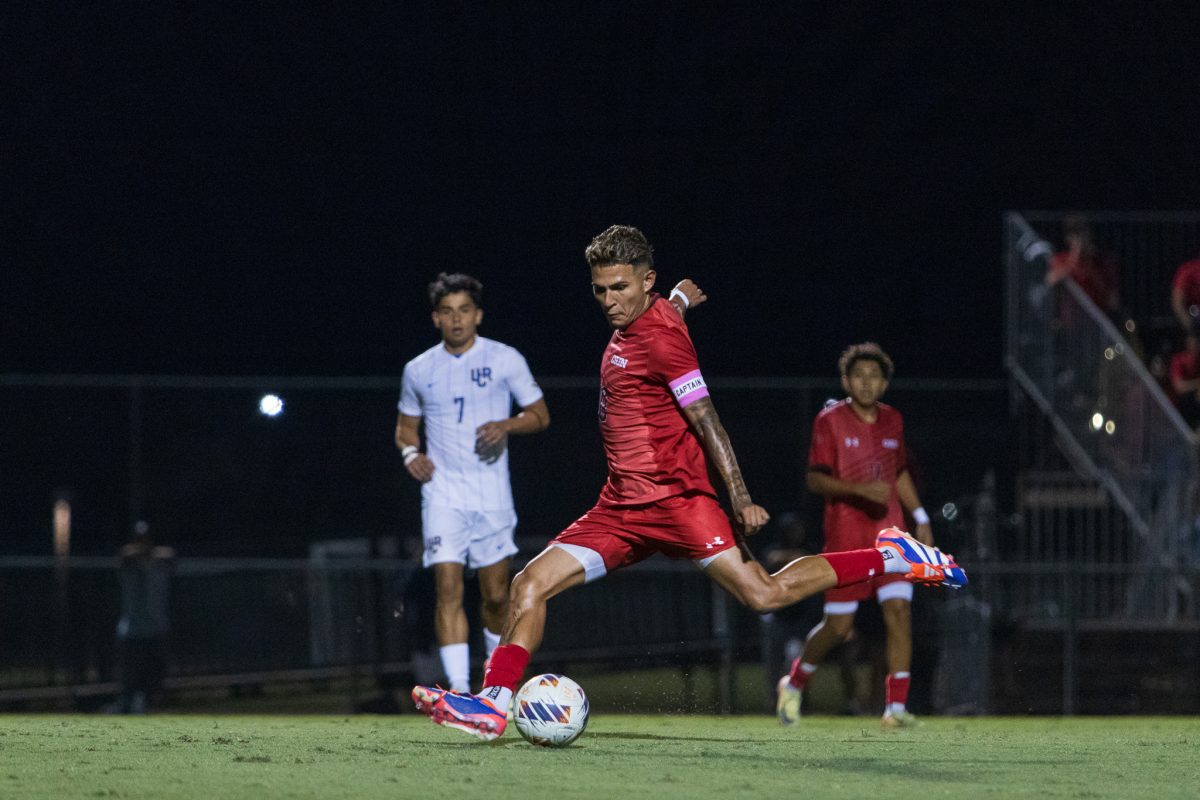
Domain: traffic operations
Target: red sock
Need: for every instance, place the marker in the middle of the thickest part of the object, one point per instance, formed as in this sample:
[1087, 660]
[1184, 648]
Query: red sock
[855, 566]
[897, 688]
[506, 666]
[798, 677]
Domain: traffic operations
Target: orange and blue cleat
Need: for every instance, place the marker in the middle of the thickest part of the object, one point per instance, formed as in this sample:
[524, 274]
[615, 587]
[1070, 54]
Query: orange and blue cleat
[465, 712]
[926, 564]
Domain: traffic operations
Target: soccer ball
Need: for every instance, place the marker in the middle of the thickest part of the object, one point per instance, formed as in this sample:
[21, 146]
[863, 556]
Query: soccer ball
[550, 710]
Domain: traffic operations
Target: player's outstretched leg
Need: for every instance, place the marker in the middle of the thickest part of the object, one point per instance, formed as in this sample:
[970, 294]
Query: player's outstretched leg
[926, 564]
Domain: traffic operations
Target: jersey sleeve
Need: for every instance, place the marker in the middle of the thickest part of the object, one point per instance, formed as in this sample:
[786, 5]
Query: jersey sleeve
[524, 388]
[822, 451]
[672, 361]
[410, 401]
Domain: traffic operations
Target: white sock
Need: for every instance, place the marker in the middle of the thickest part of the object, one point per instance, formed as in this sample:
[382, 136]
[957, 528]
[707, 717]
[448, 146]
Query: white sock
[500, 697]
[490, 641]
[893, 564]
[894, 708]
[456, 663]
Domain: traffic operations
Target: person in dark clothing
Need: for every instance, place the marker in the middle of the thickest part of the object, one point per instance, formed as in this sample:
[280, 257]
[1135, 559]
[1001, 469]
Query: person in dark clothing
[145, 580]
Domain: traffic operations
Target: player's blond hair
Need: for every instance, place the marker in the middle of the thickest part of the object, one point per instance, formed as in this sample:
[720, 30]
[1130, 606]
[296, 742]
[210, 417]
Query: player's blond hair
[619, 244]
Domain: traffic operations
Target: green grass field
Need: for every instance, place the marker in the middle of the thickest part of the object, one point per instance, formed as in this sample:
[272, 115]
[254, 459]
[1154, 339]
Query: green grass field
[619, 756]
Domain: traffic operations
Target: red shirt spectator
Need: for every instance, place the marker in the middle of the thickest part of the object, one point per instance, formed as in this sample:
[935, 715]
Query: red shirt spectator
[1095, 274]
[1082, 262]
[1185, 292]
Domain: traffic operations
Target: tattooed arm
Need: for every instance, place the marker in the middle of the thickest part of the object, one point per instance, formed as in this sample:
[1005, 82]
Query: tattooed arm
[703, 417]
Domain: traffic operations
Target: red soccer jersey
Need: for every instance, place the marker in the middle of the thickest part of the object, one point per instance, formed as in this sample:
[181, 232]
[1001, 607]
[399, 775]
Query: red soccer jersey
[649, 373]
[1187, 280]
[851, 449]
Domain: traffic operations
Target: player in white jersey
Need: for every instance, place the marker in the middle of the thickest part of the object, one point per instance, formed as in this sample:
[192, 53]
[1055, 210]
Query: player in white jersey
[464, 388]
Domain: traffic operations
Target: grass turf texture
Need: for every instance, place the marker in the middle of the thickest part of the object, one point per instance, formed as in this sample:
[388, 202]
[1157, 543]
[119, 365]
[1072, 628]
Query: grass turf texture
[619, 755]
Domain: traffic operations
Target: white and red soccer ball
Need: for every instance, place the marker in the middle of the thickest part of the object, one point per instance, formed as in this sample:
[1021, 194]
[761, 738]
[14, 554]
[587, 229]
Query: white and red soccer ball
[550, 710]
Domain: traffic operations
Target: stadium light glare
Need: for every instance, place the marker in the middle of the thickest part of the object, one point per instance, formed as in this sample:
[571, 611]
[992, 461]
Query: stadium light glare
[1110, 427]
[1097, 421]
[271, 405]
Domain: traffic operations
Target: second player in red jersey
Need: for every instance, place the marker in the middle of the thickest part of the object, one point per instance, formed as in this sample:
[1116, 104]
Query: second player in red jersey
[858, 462]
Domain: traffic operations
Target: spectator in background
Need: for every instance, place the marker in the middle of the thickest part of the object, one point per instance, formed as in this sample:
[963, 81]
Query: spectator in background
[1185, 377]
[145, 580]
[1185, 294]
[1082, 261]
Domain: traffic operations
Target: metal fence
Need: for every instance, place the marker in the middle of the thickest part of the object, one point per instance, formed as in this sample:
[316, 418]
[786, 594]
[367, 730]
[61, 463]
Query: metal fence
[1022, 638]
[256, 621]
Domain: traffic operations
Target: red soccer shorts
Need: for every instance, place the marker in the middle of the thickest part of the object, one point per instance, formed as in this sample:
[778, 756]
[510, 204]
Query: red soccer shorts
[685, 526]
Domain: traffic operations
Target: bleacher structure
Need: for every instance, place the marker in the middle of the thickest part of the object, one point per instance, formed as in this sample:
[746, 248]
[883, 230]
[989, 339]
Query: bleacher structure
[1106, 498]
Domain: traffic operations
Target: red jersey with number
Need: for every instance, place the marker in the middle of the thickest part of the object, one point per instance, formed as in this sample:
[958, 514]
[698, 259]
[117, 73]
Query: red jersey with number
[849, 448]
[648, 375]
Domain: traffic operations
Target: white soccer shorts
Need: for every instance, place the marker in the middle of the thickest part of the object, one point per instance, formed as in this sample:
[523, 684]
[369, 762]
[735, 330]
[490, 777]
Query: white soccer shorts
[474, 538]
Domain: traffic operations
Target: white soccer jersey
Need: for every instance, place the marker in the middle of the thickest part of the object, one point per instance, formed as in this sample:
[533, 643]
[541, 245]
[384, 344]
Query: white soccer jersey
[455, 395]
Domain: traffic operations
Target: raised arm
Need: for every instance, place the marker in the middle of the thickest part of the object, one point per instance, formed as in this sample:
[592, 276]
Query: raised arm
[685, 295]
[704, 420]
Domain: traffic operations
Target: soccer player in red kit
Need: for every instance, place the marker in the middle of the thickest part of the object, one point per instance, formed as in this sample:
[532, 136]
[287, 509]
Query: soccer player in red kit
[661, 432]
[857, 461]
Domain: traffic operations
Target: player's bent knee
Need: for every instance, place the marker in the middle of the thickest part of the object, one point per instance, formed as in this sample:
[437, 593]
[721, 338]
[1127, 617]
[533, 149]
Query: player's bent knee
[526, 591]
[764, 599]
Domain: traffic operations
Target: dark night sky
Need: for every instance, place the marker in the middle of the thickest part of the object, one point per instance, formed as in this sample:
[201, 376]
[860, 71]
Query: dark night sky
[267, 190]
